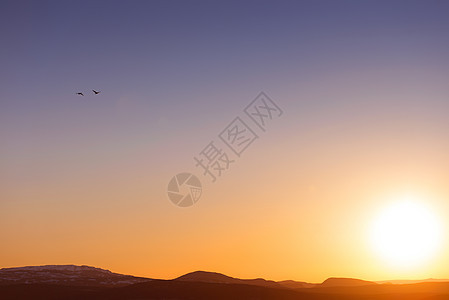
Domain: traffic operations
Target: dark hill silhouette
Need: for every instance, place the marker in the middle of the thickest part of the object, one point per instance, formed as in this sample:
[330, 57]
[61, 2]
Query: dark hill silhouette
[70, 275]
[386, 291]
[212, 277]
[334, 282]
[292, 284]
[82, 282]
[186, 290]
[398, 281]
[203, 276]
[175, 289]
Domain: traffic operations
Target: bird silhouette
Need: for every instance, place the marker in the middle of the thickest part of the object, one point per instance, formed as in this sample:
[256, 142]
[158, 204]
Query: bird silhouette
[96, 93]
[81, 94]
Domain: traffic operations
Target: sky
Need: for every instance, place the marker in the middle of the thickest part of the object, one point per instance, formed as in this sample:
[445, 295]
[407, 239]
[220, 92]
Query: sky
[363, 86]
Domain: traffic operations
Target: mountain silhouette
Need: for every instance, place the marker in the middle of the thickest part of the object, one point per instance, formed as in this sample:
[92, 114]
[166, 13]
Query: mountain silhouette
[66, 275]
[88, 283]
[334, 282]
[292, 284]
[212, 277]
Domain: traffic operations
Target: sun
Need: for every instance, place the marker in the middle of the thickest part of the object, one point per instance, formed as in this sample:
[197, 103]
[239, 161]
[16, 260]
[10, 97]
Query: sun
[407, 233]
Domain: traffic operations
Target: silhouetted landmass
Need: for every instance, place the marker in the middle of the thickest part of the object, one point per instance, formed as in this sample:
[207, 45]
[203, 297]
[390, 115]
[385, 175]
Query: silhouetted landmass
[292, 284]
[92, 283]
[69, 275]
[212, 277]
[398, 281]
[333, 282]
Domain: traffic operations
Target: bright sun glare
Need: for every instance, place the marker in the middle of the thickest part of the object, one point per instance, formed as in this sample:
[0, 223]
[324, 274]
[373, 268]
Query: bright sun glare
[407, 233]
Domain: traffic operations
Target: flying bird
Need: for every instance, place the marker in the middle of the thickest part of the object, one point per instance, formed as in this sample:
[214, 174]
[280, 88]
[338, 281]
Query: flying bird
[81, 94]
[96, 93]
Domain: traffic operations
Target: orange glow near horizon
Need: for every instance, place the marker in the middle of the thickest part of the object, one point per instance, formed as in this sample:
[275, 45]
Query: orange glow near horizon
[307, 218]
[307, 229]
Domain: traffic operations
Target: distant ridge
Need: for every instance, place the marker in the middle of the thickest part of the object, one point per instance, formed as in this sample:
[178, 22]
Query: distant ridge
[292, 284]
[345, 282]
[93, 276]
[70, 282]
[72, 268]
[213, 277]
[71, 275]
[399, 281]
